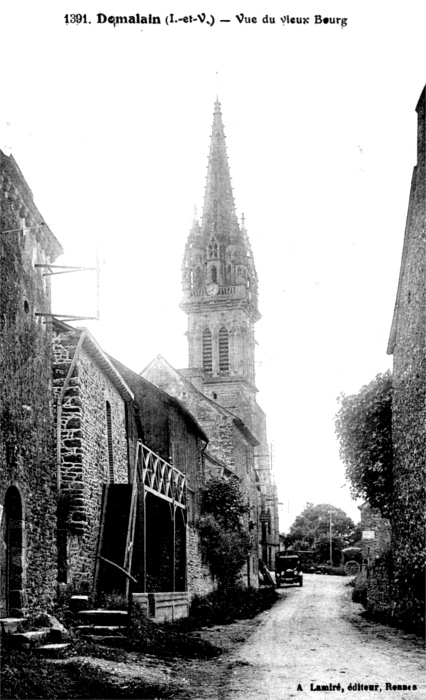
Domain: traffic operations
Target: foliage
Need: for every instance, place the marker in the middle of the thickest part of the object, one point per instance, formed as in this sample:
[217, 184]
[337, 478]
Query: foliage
[167, 639]
[24, 675]
[364, 428]
[225, 542]
[239, 603]
[311, 531]
[222, 498]
[359, 593]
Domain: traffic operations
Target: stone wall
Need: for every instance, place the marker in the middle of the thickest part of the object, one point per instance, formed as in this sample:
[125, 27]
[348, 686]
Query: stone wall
[373, 522]
[199, 579]
[380, 586]
[407, 344]
[170, 431]
[88, 459]
[27, 468]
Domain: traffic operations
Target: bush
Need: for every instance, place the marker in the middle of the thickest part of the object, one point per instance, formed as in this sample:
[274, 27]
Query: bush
[166, 639]
[237, 603]
[364, 429]
[225, 542]
[359, 593]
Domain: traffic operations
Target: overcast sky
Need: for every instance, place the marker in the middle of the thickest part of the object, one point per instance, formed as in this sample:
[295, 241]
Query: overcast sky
[111, 129]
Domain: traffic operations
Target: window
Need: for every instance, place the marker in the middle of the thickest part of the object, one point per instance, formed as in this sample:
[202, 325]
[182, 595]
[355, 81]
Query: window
[109, 440]
[207, 351]
[223, 350]
[214, 274]
[213, 249]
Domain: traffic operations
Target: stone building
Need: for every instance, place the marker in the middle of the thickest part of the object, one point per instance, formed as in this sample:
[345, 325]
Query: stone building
[178, 440]
[99, 470]
[91, 398]
[230, 449]
[407, 345]
[28, 558]
[129, 468]
[220, 298]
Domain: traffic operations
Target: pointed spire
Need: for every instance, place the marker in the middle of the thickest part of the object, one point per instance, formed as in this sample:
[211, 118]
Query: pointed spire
[195, 226]
[219, 209]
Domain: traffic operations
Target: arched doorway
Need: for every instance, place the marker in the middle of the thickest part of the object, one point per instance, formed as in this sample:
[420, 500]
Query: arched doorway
[12, 559]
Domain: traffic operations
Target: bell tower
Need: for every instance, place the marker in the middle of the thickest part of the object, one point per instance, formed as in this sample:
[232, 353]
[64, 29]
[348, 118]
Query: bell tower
[220, 296]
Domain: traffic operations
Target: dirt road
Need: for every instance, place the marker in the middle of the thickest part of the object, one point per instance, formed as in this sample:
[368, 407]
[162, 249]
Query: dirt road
[314, 643]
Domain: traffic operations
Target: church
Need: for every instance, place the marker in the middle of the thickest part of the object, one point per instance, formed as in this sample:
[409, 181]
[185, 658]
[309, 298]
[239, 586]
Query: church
[220, 299]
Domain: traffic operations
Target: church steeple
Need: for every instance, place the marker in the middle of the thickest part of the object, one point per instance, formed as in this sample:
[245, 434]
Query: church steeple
[219, 283]
[219, 214]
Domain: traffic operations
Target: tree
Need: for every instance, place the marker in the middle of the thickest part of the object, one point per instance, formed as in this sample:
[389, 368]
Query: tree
[224, 540]
[311, 530]
[364, 428]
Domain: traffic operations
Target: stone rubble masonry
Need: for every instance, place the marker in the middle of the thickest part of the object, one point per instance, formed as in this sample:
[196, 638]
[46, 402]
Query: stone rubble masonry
[380, 590]
[372, 520]
[27, 466]
[199, 579]
[227, 443]
[376, 557]
[84, 451]
[170, 431]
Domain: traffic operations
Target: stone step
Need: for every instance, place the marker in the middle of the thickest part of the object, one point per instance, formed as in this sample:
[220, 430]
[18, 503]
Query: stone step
[30, 639]
[79, 602]
[52, 651]
[107, 640]
[8, 625]
[105, 630]
[102, 617]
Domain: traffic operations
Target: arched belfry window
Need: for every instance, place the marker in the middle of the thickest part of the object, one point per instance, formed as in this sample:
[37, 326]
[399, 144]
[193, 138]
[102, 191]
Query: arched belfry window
[207, 351]
[223, 350]
[213, 249]
[109, 440]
